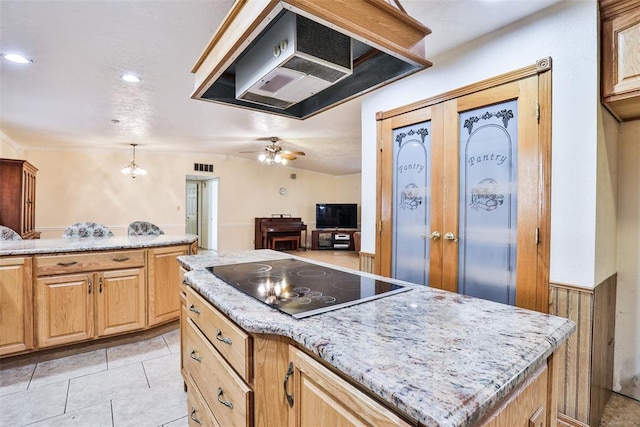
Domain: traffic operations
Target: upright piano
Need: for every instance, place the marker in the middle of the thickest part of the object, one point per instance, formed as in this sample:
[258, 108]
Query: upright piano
[279, 227]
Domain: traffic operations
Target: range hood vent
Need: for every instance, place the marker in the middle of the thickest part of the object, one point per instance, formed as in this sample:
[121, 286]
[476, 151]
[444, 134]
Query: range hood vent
[297, 58]
[292, 61]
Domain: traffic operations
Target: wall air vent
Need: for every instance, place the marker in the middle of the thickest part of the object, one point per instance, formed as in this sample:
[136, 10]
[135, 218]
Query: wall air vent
[296, 58]
[202, 167]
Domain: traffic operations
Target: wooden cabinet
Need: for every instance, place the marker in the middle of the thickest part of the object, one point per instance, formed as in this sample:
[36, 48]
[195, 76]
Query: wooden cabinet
[164, 278]
[97, 297]
[621, 57]
[217, 356]
[16, 307]
[320, 397]
[18, 197]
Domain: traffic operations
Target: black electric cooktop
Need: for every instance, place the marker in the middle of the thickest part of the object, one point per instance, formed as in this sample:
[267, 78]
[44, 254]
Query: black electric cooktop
[302, 289]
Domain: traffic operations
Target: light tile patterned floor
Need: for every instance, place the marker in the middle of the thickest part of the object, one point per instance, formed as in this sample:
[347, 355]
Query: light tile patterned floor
[137, 384]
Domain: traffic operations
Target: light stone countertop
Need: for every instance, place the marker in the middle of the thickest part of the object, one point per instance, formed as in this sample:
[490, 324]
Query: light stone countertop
[442, 358]
[85, 244]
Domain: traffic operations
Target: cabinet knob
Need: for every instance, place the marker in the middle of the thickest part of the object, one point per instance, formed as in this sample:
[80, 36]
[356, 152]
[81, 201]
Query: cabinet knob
[227, 403]
[194, 417]
[194, 309]
[195, 356]
[220, 338]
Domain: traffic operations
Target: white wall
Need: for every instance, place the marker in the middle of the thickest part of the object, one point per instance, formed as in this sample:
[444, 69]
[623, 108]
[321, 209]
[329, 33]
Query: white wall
[86, 185]
[626, 379]
[574, 151]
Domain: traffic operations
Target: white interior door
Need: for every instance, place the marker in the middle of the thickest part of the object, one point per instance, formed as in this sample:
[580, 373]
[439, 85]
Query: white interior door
[191, 211]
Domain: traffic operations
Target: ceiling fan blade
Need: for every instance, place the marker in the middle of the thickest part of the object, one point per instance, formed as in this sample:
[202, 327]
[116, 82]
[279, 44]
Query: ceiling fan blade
[250, 152]
[295, 153]
[288, 156]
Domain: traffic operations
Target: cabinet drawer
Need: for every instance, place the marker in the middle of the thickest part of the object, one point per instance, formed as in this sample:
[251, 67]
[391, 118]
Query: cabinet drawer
[77, 263]
[232, 342]
[199, 413]
[228, 397]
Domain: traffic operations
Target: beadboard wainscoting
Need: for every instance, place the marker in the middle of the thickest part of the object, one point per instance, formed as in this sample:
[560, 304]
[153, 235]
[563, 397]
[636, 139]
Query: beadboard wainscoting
[586, 362]
[367, 262]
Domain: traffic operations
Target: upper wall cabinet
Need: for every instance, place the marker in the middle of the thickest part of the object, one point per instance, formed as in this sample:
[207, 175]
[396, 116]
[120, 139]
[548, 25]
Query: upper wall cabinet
[621, 57]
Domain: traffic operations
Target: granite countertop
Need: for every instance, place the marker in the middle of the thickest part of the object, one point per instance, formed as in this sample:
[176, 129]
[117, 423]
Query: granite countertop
[442, 358]
[51, 246]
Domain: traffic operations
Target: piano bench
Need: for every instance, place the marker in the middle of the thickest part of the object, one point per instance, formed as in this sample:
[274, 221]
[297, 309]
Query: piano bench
[294, 240]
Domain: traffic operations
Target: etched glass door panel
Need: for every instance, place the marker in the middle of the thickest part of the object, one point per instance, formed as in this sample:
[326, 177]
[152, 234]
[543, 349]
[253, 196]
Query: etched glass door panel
[411, 172]
[488, 139]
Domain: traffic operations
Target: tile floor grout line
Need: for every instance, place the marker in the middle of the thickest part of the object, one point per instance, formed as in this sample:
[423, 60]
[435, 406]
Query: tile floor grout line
[145, 373]
[66, 400]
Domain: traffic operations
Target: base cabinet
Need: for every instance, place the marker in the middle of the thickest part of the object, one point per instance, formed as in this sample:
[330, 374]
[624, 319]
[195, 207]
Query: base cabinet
[16, 307]
[164, 283]
[322, 398]
[79, 307]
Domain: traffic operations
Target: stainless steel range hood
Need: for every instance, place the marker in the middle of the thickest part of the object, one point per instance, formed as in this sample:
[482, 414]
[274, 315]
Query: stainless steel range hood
[296, 58]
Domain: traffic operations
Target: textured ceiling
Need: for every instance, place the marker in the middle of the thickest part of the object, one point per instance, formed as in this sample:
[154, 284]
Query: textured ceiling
[71, 95]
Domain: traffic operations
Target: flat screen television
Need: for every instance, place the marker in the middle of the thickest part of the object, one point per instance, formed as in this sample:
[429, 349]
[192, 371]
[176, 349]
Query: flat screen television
[336, 215]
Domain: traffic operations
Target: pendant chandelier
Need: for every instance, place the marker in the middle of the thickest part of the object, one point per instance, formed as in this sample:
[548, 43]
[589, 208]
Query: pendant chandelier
[132, 169]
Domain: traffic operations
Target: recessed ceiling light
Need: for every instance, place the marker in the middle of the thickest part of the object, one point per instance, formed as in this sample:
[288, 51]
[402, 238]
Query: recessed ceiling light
[131, 78]
[17, 58]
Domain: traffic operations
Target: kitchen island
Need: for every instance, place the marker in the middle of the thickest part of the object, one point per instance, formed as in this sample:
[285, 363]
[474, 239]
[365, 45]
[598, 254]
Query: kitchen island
[425, 356]
[57, 292]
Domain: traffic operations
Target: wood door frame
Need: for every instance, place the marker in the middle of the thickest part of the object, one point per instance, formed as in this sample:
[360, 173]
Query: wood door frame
[384, 213]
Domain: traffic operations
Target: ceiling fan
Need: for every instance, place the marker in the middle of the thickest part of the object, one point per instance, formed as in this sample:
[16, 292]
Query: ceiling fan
[273, 153]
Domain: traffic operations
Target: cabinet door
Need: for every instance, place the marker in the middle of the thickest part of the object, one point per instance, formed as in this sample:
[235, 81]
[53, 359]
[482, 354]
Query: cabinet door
[322, 398]
[16, 324]
[64, 309]
[164, 283]
[120, 301]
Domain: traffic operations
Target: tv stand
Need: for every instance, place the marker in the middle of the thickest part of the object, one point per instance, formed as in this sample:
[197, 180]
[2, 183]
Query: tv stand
[333, 239]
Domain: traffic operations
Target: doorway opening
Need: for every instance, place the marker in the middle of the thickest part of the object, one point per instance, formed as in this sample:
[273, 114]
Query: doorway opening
[201, 213]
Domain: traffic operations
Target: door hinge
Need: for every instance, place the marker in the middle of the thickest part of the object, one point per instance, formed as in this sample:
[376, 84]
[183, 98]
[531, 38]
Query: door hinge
[538, 112]
[379, 226]
[381, 145]
[537, 236]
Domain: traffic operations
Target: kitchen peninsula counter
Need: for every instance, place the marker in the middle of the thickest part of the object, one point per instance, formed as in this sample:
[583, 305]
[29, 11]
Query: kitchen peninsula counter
[438, 358]
[59, 292]
[56, 246]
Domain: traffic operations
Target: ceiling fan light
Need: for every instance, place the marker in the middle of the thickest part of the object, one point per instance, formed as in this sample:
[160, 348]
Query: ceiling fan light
[277, 158]
[283, 161]
[262, 157]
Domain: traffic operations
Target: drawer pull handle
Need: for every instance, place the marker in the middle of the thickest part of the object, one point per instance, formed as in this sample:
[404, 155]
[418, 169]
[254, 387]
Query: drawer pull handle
[224, 340]
[67, 264]
[286, 380]
[194, 309]
[121, 259]
[227, 403]
[194, 356]
[194, 417]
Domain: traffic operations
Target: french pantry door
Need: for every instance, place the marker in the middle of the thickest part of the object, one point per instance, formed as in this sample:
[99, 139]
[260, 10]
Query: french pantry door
[464, 192]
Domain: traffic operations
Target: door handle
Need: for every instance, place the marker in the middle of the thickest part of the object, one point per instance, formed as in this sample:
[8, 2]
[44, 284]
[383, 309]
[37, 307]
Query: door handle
[450, 236]
[433, 236]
